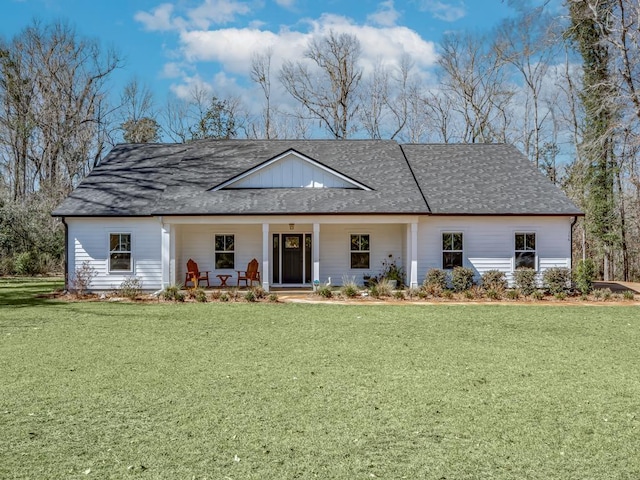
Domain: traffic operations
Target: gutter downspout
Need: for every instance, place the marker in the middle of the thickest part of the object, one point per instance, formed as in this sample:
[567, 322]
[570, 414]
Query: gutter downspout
[573, 222]
[66, 254]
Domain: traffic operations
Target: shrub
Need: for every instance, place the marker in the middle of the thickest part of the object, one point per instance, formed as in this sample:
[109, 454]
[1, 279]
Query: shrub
[448, 294]
[215, 295]
[560, 295]
[224, 297]
[25, 263]
[259, 292]
[585, 274]
[628, 295]
[494, 280]
[436, 277]
[513, 294]
[462, 278]
[249, 296]
[7, 265]
[324, 291]
[130, 287]
[470, 294]
[432, 289]
[82, 278]
[349, 287]
[413, 292]
[273, 297]
[391, 271]
[398, 295]
[384, 288]
[525, 280]
[172, 293]
[537, 294]
[494, 293]
[199, 295]
[556, 279]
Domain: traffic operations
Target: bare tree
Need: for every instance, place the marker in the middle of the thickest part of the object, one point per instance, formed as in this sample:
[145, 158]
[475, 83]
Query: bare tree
[261, 74]
[137, 113]
[474, 81]
[327, 83]
[53, 107]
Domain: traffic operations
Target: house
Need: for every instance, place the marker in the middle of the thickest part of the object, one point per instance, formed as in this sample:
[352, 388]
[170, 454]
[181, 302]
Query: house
[312, 210]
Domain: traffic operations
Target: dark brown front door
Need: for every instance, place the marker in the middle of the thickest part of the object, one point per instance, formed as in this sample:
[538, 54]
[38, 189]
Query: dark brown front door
[292, 251]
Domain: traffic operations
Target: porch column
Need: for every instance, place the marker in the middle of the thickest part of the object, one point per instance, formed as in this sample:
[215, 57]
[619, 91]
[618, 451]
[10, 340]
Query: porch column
[172, 255]
[166, 254]
[412, 254]
[316, 252]
[266, 274]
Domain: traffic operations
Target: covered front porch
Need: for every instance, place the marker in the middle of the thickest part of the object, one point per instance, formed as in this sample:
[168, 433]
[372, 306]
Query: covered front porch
[292, 251]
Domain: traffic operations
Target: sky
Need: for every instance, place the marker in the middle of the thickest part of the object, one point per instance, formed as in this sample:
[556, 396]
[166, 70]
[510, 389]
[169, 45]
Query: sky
[172, 45]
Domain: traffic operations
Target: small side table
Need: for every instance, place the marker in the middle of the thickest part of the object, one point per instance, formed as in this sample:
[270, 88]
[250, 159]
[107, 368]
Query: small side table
[223, 279]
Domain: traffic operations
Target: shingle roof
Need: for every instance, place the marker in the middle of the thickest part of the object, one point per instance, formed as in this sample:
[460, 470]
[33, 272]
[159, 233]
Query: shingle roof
[483, 179]
[175, 179]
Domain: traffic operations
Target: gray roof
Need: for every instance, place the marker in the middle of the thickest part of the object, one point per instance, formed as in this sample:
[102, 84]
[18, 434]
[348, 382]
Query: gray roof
[176, 179]
[483, 179]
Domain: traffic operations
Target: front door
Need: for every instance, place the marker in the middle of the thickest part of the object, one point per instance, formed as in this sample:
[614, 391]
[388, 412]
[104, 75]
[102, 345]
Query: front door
[292, 255]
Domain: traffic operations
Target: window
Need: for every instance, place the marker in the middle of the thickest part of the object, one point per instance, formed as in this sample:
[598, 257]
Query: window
[525, 250]
[120, 252]
[360, 251]
[225, 251]
[451, 250]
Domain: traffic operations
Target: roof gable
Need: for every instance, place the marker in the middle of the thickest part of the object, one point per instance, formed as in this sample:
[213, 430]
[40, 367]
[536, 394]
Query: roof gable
[290, 169]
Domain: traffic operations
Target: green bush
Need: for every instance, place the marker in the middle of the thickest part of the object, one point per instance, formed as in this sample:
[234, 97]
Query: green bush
[560, 295]
[436, 277]
[259, 292]
[494, 293]
[628, 295]
[130, 287]
[432, 289]
[585, 274]
[494, 280]
[384, 288]
[349, 287]
[273, 297]
[25, 263]
[249, 296]
[398, 295]
[525, 280]
[324, 291]
[537, 294]
[461, 279]
[199, 295]
[224, 297]
[448, 294]
[513, 294]
[172, 293]
[556, 279]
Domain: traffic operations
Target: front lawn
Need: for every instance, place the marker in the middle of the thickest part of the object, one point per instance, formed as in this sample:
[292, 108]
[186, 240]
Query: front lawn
[279, 391]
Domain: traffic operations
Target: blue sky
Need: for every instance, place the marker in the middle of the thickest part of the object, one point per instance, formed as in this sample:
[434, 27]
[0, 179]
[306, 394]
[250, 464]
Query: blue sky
[173, 45]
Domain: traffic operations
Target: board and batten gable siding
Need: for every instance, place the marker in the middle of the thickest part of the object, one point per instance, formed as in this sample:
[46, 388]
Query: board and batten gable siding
[489, 242]
[291, 172]
[89, 241]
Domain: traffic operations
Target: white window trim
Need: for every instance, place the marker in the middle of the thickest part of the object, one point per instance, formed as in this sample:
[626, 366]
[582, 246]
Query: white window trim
[131, 266]
[451, 231]
[351, 251]
[513, 244]
[217, 234]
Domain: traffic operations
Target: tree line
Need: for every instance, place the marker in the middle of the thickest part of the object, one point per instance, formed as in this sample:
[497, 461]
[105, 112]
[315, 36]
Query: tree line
[562, 88]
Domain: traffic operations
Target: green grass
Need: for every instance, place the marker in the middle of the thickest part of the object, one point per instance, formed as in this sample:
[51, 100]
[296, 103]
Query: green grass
[183, 391]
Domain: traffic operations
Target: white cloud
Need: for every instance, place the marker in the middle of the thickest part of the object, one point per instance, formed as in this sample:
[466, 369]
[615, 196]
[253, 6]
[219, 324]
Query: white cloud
[286, 3]
[386, 15]
[444, 10]
[209, 12]
[158, 19]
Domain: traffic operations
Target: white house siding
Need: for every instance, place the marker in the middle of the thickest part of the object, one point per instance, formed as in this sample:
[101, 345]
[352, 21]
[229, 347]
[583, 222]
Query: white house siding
[89, 241]
[489, 242]
[198, 243]
[385, 240]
